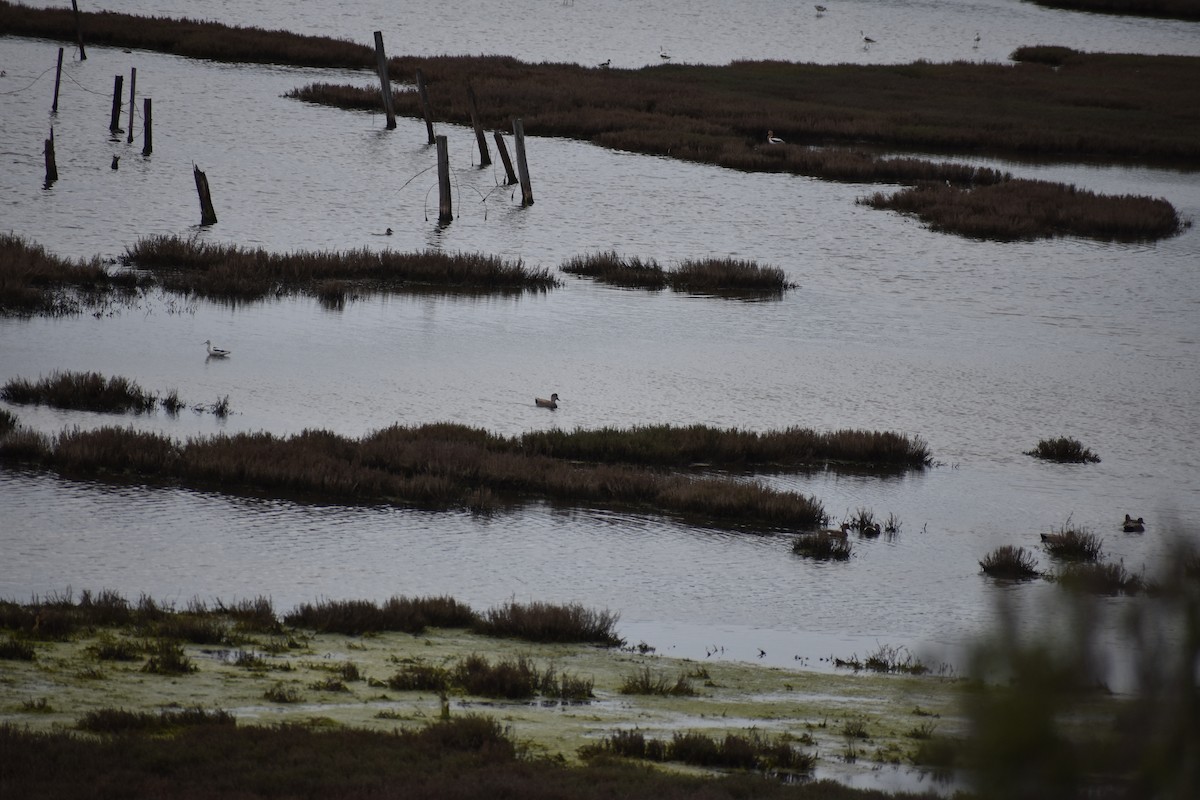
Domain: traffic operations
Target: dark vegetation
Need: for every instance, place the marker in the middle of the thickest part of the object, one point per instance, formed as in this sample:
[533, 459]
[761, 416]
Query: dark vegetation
[117, 720]
[1175, 9]
[1064, 449]
[453, 466]
[1071, 543]
[463, 757]
[547, 622]
[228, 272]
[1009, 562]
[8, 421]
[823, 547]
[1028, 209]
[404, 614]
[647, 682]
[1104, 578]
[887, 658]
[715, 275]
[33, 281]
[753, 751]
[90, 391]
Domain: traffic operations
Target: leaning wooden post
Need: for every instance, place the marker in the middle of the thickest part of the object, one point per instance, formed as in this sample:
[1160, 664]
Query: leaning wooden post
[147, 138]
[502, 149]
[485, 157]
[132, 89]
[522, 167]
[385, 82]
[114, 124]
[57, 81]
[51, 166]
[207, 215]
[425, 104]
[79, 32]
[445, 210]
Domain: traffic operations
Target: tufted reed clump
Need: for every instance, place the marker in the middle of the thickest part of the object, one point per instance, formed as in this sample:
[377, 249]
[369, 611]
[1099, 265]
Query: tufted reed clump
[405, 614]
[548, 622]
[888, 659]
[167, 657]
[713, 275]
[433, 466]
[647, 682]
[14, 649]
[231, 273]
[1009, 562]
[1063, 449]
[35, 282]
[515, 678]
[613, 268]
[8, 421]
[1078, 544]
[822, 547]
[750, 751]
[89, 391]
[1021, 209]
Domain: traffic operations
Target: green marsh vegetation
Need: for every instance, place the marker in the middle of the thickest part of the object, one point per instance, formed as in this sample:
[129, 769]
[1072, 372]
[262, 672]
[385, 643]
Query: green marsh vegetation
[729, 276]
[453, 466]
[1065, 450]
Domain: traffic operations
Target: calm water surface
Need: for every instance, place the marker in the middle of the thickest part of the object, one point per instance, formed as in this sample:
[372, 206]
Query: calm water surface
[981, 348]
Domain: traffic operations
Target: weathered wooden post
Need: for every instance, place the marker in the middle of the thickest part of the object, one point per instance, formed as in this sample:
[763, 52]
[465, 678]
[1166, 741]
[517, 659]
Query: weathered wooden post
[51, 166]
[425, 104]
[57, 81]
[147, 138]
[114, 124]
[445, 210]
[79, 32]
[132, 89]
[385, 83]
[502, 149]
[522, 167]
[207, 215]
[485, 157]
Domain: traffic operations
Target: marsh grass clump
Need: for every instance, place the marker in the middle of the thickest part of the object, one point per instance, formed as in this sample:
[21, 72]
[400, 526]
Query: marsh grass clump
[728, 275]
[1063, 449]
[1009, 562]
[282, 693]
[548, 622]
[1100, 578]
[167, 657]
[510, 678]
[14, 649]
[109, 648]
[404, 614]
[1171, 9]
[822, 547]
[420, 678]
[33, 281]
[231, 273]
[750, 751]
[8, 421]
[647, 682]
[1073, 543]
[888, 658]
[88, 391]
[613, 268]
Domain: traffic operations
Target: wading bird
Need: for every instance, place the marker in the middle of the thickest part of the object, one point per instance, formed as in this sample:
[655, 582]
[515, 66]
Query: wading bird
[867, 40]
[820, 10]
[773, 139]
[215, 352]
[663, 53]
[542, 402]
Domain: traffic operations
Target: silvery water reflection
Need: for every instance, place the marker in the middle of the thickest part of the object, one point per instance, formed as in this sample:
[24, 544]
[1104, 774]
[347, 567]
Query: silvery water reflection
[980, 347]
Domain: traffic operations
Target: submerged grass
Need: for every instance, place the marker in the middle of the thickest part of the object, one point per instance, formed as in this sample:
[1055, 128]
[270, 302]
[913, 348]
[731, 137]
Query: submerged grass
[228, 272]
[749, 751]
[823, 547]
[453, 466]
[1063, 449]
[724, 276]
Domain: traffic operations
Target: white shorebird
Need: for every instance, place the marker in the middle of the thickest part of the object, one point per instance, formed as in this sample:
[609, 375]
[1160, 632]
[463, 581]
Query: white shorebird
[606, 64]
[773, 139]
[542, 402]
[663, 53]
[867, 40]
[215, 352]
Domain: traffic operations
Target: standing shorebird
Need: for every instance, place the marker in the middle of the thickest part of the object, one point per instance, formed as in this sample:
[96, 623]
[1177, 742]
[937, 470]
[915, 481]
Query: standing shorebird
[663, 54]
[773, 139]
[867, 41]
[215, 352]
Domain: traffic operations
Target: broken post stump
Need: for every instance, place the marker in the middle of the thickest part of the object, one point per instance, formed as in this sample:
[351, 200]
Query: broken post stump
[485, 157]
[114, 123]
[385, 83]
[51, 165]
[79, 32]
[425, 109]
[502, 149]
[57, 81]
[445, 210]
[132, 92]
[207, 215]
[147, 138]
[522, 166]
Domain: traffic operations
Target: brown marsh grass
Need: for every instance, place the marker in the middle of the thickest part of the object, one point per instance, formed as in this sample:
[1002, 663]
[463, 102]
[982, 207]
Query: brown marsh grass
[751, 751]
[1100, 578]
[822, 547]
[547, 622]
[647, 682]
[434, 466]
[8, 421]
[714, 275]
[1028, 209]
[90, 391]
[33, 281]
[229, 272]
[1009, 562]
[1078, 544]
[1064, 449]
[358, 617]
[1173, 9]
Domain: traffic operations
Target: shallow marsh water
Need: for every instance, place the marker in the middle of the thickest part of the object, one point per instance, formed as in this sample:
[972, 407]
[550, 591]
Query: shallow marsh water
[981, 348]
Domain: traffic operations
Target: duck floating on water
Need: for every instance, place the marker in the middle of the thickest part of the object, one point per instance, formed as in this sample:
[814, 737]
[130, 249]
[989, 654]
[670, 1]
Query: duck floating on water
[1132, 525]
[215, 352]
[839, 533]
[542, 402]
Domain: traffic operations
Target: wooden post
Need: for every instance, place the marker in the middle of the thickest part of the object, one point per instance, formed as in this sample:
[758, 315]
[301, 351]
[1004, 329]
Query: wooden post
[485, 157]
[445, 210]
[57, 81]
[114, 124]
[147, 139]
[79, 32]
[502, 149]
[132, 86]
[425, 104]
[207, 215]
[385, 82]
[522, 167]
[51, 166]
